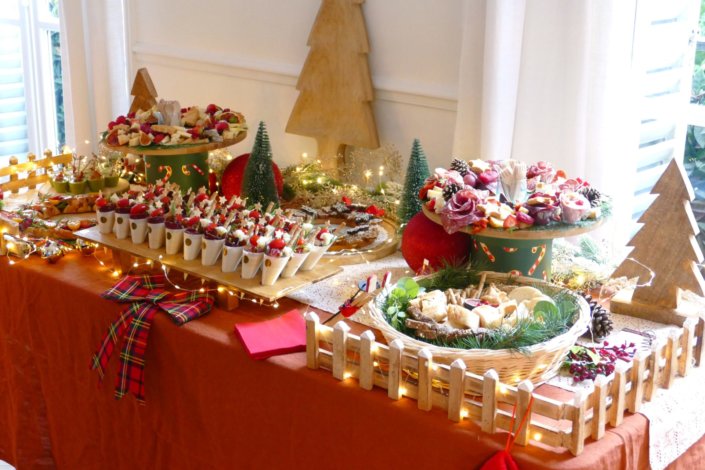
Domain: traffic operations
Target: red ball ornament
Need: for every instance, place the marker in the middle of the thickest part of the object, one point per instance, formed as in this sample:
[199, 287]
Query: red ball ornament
[231, 182]
[425, 239]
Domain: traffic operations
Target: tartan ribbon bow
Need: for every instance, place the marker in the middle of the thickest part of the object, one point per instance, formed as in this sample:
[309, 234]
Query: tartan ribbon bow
[146, 295]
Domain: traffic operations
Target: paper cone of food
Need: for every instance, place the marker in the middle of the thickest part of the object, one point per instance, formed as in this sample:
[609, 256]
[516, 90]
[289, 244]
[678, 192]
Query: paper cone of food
[250, 264]
[121, 226]
[155, 235]
[105, 221]
[231, 258]
[314, 255]
[138, 230]
[192, 245]
[174, 240]
[295, 262]
[210, 250]
[272, 267]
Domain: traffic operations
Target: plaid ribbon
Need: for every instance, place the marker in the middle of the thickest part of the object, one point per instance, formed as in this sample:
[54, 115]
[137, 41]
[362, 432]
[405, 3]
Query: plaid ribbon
[147, 295]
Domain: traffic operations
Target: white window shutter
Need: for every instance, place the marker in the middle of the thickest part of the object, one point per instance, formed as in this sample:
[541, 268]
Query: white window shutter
[664, 49]
[13, 112]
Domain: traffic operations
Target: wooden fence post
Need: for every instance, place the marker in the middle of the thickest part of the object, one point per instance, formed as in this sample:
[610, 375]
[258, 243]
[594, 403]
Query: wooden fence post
[490, 384]
[686, 359]
[14, 176]
[425, 396]
[619, 385]
[340, 353]
[367, 344]
[636, 394]
[33, 172]
[396, 351]
[578, 429]
[699, 338]
[654, 370]
[456, 393]
[599, 407]
[312, 323]
[671, 359]
[525, 389]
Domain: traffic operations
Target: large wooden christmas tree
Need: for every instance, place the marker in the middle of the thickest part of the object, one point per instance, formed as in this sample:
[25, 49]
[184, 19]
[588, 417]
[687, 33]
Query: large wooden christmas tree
[666, 252]
[335, 89]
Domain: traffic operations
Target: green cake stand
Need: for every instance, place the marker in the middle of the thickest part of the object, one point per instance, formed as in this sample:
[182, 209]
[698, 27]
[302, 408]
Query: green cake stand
[526, 252]
[185, 165]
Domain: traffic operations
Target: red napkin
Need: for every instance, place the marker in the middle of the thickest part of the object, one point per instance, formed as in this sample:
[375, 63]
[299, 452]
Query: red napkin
[282, 335]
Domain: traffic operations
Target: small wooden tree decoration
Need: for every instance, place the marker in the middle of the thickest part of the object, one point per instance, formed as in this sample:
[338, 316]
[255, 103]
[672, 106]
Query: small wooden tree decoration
[666, 245]
[334, 103]
[144, 92]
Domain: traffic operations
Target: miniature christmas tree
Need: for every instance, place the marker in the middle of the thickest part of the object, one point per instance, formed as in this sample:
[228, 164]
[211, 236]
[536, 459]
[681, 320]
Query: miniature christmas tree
[666, 247]
[144, 92]
[258, 183]
[416, 173]
[334, 103]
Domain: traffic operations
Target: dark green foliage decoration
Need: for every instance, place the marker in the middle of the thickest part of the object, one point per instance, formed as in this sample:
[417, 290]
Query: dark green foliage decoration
[416, 174]
[258, 181]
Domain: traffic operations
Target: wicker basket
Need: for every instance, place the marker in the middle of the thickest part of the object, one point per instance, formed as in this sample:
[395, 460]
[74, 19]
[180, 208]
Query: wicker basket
[537, 363]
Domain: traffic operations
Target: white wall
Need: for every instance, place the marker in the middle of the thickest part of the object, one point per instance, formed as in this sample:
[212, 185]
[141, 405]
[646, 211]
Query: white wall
[247, 55]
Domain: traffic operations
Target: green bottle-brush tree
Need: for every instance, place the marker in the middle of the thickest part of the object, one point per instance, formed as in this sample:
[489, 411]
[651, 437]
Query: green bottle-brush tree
[258, 183]
[416, 173]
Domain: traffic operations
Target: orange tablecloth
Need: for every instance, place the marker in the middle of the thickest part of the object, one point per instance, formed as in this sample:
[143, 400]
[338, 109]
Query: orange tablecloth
[209, 405]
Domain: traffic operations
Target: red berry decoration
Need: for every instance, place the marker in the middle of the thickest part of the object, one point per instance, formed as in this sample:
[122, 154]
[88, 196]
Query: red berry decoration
[101, 202]
[231, 182]
[425, 239]
[124, 202]
[138, 209]
[277, 244]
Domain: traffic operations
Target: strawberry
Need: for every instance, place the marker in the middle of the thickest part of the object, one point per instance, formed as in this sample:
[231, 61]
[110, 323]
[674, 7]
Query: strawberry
[138, 209]
[200, 197]
[156, 213]
[432, 204]
[124, 202]
[255, 214]
[347, 201]
[510, 222]
[221, 126]
[277, 244]
[165, 200]
[101, 202]
[158, 137]
[254, 239]
[319, 235]
[212, 108]
[192, 221]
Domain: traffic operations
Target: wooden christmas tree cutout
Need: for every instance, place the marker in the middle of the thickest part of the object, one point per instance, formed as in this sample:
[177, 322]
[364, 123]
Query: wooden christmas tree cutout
[144, 92]
[667, 255]
[335, 100]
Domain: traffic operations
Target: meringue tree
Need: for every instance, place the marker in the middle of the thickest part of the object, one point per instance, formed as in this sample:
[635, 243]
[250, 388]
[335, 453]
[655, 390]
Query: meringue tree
[335, 89]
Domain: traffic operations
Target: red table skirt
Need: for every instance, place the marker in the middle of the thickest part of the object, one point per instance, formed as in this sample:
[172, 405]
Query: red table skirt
[210, 406]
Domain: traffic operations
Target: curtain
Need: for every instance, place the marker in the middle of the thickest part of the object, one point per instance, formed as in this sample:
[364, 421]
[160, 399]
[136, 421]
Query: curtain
[94, 61]
[557, 83]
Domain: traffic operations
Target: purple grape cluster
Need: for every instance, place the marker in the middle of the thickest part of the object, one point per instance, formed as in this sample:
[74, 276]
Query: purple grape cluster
[582, 366]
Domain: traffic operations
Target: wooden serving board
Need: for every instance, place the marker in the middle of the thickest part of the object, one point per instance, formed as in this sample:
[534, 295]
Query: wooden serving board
[165, 150]
[281, 288]
[548, 232]
[362, 254]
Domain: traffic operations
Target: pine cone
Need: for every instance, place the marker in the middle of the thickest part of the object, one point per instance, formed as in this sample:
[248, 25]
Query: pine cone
[601, 321]
[461, 166]
[450, 189]
[592, 195]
